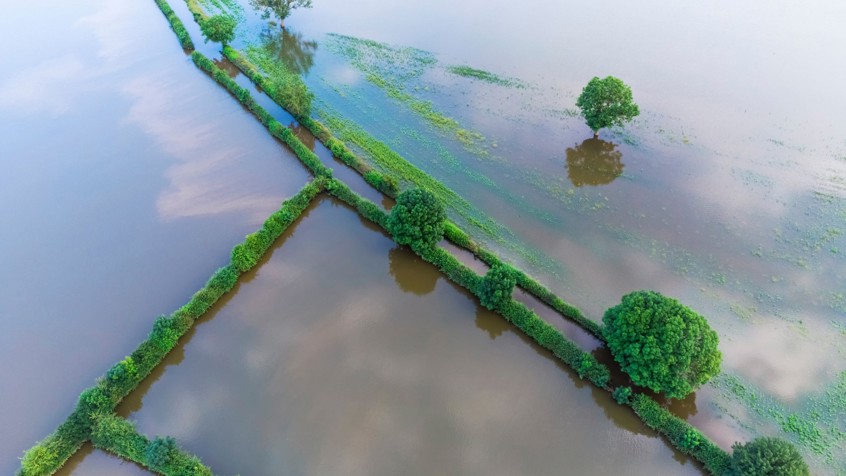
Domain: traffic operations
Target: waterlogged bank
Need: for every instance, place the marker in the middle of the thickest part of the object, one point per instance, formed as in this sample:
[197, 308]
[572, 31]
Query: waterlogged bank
[127, 179]
[336, 352]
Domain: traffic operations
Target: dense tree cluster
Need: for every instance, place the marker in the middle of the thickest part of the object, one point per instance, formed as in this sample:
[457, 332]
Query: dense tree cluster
[417, 219]
[662, 344]
[767, 457]
[219, 29]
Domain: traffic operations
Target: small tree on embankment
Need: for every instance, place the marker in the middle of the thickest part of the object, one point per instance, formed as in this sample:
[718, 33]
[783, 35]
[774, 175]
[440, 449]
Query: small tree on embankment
[606, 102]
[661, 344]
[417, 219]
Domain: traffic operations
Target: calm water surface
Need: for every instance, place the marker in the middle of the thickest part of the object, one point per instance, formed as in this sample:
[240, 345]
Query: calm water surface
[127, 178]
[729, 192]
[343, 354]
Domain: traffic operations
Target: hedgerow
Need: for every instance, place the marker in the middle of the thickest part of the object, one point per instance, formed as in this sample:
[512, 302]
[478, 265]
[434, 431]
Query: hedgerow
[176, 25]
[498, 286]
[681, 434]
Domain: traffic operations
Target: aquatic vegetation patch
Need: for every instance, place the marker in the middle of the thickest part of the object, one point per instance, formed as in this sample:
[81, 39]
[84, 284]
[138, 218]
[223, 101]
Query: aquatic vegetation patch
[819, 426]
[481, 75]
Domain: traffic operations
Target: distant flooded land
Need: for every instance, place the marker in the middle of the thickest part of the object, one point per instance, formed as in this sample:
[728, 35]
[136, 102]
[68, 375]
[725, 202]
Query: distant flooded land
[317, 237]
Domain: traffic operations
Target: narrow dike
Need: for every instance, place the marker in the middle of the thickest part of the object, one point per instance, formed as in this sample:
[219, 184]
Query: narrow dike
[93, 418]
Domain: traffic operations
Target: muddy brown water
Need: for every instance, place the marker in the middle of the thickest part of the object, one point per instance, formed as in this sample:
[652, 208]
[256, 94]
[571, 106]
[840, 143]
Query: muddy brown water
[345, 354]
[728, 192]
[127, 178]
[93, 462]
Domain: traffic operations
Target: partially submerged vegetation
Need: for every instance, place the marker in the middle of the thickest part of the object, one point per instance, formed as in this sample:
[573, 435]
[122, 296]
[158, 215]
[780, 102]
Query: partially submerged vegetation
[94, 420]
[488, 77]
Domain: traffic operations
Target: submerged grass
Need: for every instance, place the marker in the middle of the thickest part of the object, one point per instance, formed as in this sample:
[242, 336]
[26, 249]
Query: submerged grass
[488, 77]
[819, 425]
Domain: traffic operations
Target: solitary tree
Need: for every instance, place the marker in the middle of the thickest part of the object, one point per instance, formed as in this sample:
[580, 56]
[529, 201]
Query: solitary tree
[767, 457]
[605, 103]
[417, 219]
[662, 344]
[219, 28]
[280, 8]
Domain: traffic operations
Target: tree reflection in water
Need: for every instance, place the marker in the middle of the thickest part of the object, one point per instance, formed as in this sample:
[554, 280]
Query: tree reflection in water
[289, 47]
[594, 162]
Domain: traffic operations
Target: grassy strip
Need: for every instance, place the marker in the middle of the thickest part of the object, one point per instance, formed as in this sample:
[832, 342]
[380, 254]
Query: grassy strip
[454, 234]
[196, 11]
[473, 73]
[47, 456]
[120, 437]
[681, 434]
[176, 25]
[276, 128]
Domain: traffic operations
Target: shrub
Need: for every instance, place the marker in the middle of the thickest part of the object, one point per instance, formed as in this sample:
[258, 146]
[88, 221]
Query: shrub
[119, 436]
[497, 287]
[622, 395]
[662, 344]
[606, 102]
[219, 28]
[766, 457]
[161, 452]
[247, 254]
[417, 219]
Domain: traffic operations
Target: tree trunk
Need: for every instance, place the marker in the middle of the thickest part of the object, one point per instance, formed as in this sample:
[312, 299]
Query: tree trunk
[596, 134]
[282, 23]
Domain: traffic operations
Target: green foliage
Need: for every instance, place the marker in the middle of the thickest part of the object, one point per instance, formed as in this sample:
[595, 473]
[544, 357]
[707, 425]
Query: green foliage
[366, 208]
[123, 371]
[606, 102]
[161, 452]
[176, 25]
[497, 287]
[219, 28]
[279, 8]
[622, 395]
[681, 434]
[384, 183]
[662, 344]
[453, 269]
[417, 219]
[551, 339]
[119, 436]
[767, 457]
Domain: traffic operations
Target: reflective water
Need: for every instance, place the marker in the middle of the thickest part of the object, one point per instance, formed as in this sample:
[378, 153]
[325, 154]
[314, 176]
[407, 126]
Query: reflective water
[343, 354]
[127, 178]
[728, 192]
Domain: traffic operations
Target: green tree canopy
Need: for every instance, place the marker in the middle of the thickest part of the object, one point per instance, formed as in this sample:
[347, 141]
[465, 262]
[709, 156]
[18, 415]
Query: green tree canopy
[280, 8]
[219, 28]
[497, 286]
[662, 344]
[767, 457]
[605, 103]
[417, 219]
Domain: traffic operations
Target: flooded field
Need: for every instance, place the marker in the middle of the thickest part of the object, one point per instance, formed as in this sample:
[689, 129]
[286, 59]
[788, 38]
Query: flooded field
[127, 178]
[352, 356]
[129, 175]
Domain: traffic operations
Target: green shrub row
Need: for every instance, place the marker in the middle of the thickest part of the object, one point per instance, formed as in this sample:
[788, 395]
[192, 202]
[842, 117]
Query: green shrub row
[681, 434]
[176, 25]
[306, 155]
[162, 455]
[452, 268]
[196, 11]
[48, 455]
[382, 182]
[366, 208]
[462, 239]
[247, 254]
